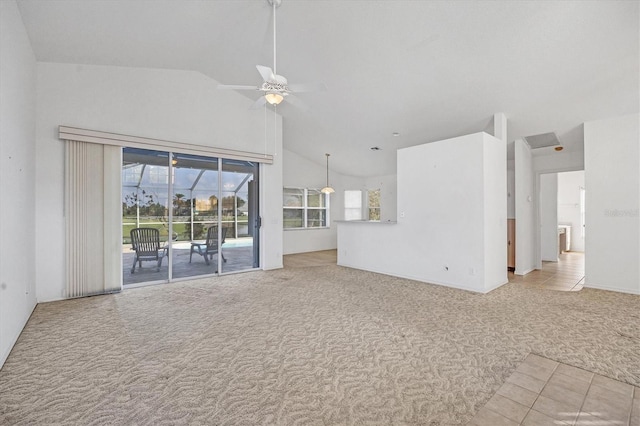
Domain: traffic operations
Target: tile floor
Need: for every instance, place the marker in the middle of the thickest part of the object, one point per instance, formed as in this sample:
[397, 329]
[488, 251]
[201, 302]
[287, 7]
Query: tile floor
[565, 275]
[314, 258]
[545, 392]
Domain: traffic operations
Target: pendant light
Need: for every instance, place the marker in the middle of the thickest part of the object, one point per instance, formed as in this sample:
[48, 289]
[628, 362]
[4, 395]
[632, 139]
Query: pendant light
[327, 189]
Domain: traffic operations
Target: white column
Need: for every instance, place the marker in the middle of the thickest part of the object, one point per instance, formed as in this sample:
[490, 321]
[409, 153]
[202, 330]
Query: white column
[525, 211]
[500, 126]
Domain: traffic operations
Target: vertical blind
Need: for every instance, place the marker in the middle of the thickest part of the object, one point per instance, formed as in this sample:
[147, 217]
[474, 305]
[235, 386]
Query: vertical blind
[93, 245]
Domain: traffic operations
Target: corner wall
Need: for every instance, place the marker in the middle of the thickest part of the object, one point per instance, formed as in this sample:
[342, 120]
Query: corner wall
[612, 216]
[452, 215]
[17, 177]
[495, 212]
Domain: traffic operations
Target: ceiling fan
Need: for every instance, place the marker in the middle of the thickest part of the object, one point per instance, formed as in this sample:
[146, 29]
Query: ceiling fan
[274, 87]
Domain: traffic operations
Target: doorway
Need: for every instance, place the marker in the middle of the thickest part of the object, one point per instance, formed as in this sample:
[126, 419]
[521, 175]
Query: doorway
[204, 209]
[562, 200]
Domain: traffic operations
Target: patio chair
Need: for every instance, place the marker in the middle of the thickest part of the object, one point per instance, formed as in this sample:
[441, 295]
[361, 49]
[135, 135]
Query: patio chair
[209, 247]
[146, 243]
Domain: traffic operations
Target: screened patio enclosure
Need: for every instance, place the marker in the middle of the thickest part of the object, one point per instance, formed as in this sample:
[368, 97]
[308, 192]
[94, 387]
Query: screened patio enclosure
[182, 196]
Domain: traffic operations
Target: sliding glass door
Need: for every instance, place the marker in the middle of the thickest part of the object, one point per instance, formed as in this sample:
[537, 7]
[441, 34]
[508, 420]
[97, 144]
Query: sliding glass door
[239, 215]
[145, 205]
[195, 211]
[210, 225]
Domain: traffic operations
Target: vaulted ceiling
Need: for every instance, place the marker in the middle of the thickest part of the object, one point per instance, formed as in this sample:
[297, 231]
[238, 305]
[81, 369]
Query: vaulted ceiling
[427, 70]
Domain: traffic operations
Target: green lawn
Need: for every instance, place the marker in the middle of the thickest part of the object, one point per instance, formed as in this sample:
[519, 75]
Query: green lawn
[180, 229]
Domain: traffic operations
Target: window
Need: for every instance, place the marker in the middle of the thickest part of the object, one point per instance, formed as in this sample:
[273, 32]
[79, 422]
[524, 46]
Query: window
[352, 205]
[305, 208]
[373, 196]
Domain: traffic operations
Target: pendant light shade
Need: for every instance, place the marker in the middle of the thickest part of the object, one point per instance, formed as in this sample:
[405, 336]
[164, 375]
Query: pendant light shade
[327, 189]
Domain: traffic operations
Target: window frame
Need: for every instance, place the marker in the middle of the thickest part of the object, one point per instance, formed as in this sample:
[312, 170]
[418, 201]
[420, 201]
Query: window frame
[305, 208]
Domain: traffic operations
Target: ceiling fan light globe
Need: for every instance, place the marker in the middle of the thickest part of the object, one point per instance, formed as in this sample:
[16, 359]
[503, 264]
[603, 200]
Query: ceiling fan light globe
[274, 98]
[327, 190]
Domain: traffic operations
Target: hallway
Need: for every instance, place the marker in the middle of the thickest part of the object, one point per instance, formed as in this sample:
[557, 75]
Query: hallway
[565, 275]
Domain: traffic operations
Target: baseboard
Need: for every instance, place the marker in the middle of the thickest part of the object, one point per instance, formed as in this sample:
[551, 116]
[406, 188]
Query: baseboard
[495, 287]
[413, 278]
[54, 299]
[525, 272]
[616, 289]
[273, 268]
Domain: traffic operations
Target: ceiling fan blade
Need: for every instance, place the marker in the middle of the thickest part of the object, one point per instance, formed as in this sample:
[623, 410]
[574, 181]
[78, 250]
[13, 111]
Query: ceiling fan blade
[259, 103]
[266, 73]
[236, 87]
[296, 102]
[308, 87]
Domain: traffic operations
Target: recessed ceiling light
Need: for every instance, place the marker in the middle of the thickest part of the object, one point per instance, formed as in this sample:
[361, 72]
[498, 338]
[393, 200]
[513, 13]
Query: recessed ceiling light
[396, 134]
[376, 148]
[558, 148]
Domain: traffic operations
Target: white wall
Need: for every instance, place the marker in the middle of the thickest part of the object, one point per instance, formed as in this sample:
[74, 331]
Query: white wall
[440, 194]
[451, 196]
[569, 185]
[271, 238]
[525, 211]
[181, 106]
[495, 210]
[299, 172]
[548, 202]
[511, 190]
[17, 177]
[612, 178]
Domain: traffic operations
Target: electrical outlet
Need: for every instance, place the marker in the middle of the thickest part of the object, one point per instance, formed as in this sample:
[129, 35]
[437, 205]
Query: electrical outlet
[401, 214]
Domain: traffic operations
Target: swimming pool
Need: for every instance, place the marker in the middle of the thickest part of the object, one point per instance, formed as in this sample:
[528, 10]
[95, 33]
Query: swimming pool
[229, 243]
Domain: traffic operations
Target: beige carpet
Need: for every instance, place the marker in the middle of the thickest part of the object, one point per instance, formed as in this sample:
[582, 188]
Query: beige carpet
[312, 345]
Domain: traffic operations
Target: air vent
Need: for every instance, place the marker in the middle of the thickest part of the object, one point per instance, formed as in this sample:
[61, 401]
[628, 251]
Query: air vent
[542, 140]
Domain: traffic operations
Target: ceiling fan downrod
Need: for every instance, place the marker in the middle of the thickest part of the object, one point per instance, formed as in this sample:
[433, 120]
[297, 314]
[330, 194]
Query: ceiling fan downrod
[275, 4]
